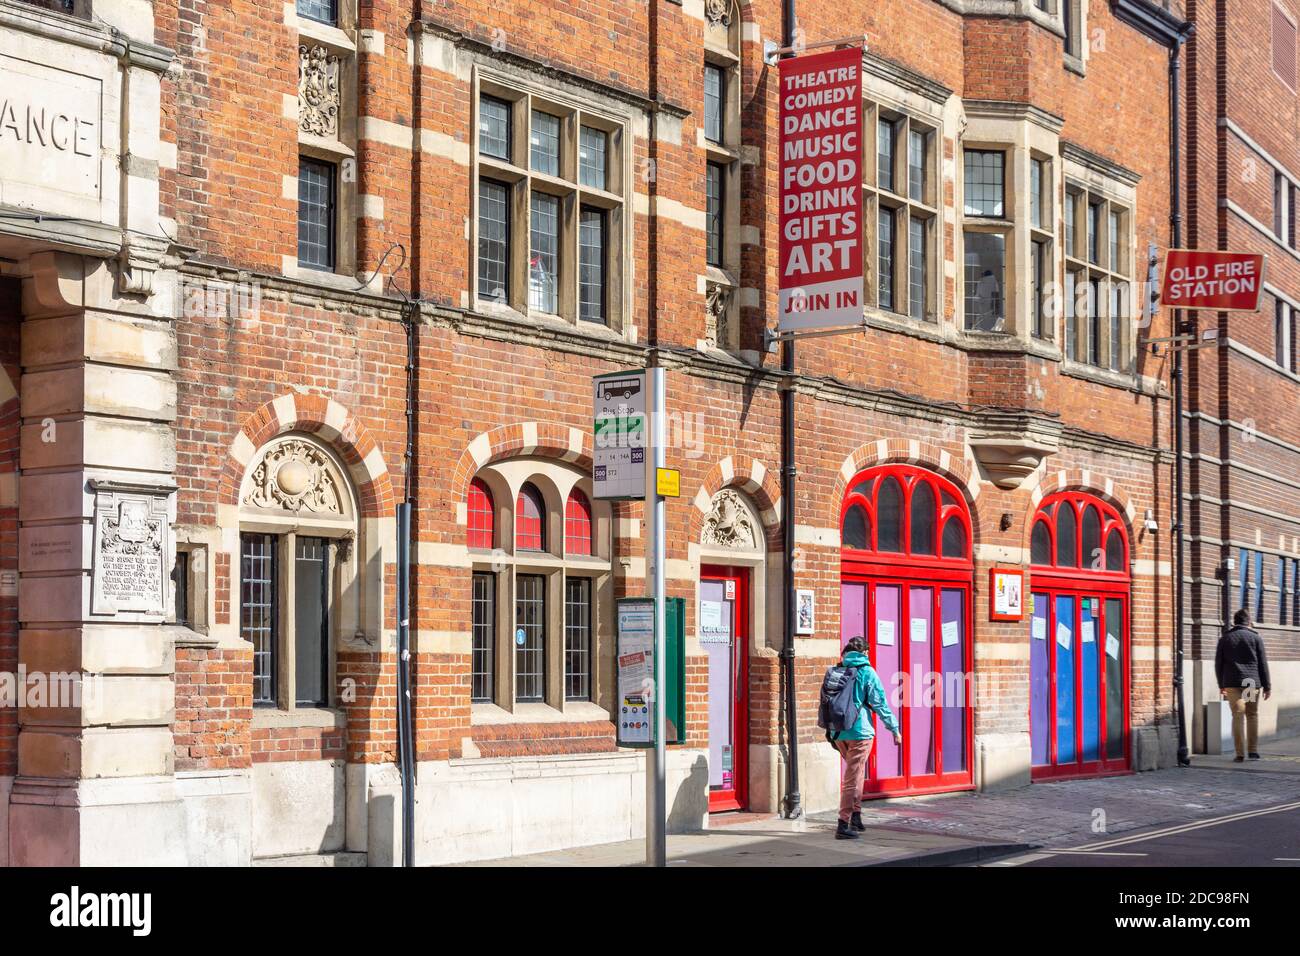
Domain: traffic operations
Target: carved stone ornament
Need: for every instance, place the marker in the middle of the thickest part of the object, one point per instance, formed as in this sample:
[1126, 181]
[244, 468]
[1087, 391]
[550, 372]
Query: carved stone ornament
[132, 548]
[716, 299]
[318, 90]
[1011, 445]
[730, 524]
[295, 476]
[718, 12]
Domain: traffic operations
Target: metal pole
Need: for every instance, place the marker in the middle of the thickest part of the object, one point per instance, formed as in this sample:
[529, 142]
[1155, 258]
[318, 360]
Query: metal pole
[656, 757]
[793, 801]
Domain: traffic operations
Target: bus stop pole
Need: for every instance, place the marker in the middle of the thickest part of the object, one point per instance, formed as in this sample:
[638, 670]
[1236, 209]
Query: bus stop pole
[656, 839]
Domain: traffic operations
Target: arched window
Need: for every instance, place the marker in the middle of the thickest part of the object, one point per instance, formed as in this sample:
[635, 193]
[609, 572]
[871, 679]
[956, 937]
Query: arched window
[529, 520]
[577, 524]
[481, 516]
[913, 512]
[1075, 530]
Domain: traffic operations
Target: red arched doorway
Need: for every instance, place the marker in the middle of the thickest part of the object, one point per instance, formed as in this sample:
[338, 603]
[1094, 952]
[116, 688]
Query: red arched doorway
[905, 585]
[1079, 638]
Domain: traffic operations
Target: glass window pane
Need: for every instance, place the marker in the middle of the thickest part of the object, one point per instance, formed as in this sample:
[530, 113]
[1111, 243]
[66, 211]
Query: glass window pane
[1094, 238]
[1071, 315]
[1094, 321]
[985, 280]
[311, 621]
[954, 538]
[315, 214]
[577, 639]
[1071, 202]
[857, 529]
[543, 261]
[258, 610]
[493, 240]
[955, 699]
[885, 258]
[923, 516]
[1067, 552]
[483, 632]
[530, 630]
[1114, 678]
[544, 143]
[1040, 545]
[917, 148]
[889, 516]
[577, 524]
[1118, 315]
[591, 265]
[713, 103]
[1036, 193]
[481, 516]
[529, 515]
[593, 149]
[1113, 232]
[1092, 556]
[322, 11]
[984, 183]
[494, 127]
[1066, 746]
[917, 269]
[713, 212]
[1115, 550]
[1038, 267]
[885, 132]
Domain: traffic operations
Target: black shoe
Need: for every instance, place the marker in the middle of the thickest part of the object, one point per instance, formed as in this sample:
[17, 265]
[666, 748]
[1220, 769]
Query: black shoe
[1253, 756]
[842, 832]
[855, 821]
[1238, 759]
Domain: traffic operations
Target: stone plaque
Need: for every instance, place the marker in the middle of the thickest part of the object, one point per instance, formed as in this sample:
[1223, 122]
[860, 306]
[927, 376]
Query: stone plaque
[132, 550]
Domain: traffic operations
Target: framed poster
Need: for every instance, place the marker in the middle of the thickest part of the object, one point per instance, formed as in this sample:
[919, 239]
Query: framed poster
[1006, 594]
[805, 612]
[634, 722]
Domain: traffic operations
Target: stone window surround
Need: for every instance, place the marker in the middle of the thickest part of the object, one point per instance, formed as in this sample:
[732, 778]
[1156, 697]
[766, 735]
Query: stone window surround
[1094, 178]
[577, 107]
[348, 580]
[553, 480]
[763, 601]
[720, 284]
[339, 41]
[901, 94]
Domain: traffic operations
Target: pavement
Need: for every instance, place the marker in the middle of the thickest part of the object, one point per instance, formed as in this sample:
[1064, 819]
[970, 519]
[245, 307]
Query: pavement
[1214, 812]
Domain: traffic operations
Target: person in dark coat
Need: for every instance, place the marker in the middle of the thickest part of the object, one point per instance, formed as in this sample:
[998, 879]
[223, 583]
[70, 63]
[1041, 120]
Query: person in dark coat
[1242, 672]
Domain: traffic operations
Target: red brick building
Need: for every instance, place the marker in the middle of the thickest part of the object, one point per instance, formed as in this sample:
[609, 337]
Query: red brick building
[562, 192]
[1243, 451]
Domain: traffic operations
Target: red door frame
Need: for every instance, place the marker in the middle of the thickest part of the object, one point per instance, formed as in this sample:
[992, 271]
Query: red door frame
[1077, 580]
[1052, 583]
[873, 573]
[738, 797]
[872, 567]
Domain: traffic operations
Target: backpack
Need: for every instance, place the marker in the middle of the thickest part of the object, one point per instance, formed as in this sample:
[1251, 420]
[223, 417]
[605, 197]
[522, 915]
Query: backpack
[837, 711]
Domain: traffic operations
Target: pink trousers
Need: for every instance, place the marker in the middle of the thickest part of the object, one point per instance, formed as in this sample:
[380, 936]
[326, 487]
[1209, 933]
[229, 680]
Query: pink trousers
[855, 754]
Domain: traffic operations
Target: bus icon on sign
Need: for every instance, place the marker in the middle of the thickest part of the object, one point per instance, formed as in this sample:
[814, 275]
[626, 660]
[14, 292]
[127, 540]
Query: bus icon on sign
[625, 387]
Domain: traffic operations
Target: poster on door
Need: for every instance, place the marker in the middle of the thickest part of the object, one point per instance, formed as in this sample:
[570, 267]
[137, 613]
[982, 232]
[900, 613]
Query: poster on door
[635, 658]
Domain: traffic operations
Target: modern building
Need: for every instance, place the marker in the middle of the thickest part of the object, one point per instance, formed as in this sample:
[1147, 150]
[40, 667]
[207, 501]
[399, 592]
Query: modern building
[207, 303]
[1243, 395]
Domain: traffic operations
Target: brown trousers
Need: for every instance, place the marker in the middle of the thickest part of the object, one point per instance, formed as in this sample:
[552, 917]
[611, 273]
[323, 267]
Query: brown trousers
[855, 754]
[1245, 711]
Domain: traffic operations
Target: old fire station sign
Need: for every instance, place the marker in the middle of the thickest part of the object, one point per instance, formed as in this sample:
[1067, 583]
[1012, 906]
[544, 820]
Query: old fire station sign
[1220, 281]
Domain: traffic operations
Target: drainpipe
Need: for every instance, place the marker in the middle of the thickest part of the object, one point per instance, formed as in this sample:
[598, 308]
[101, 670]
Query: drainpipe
[1176, 238]
[793, 802]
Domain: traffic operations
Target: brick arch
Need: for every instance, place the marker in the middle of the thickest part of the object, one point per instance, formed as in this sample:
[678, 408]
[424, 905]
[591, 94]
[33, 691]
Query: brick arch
[753, 478]
[1081, 479]
[542, 439]
[960, 471]
[334, 425]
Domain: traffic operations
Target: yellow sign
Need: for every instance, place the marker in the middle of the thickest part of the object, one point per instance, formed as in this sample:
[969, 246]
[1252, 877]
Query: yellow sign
[668, 482]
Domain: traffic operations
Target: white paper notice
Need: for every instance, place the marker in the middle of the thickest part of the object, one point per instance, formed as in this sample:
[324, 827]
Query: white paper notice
[1086, 635]
[1112, 647]
[712, 628]
[885, 632]
[1063, 636]
[920, 629]
[1039, 629]
[951, 633]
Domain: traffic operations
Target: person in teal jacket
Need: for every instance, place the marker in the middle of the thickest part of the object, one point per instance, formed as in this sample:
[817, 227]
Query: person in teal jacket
[855, 743]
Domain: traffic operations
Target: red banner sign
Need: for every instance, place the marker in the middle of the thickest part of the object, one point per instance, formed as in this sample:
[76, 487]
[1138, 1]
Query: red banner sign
[821, 190]
[1219, 281]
